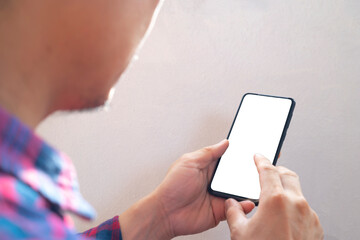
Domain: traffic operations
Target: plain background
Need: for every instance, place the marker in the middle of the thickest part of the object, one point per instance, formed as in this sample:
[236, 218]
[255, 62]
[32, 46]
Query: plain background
[183, 91]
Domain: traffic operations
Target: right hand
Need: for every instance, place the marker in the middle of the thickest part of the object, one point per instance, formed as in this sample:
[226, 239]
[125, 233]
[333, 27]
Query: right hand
[283, 212]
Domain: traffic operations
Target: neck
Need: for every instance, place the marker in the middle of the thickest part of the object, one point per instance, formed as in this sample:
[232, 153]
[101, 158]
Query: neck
[24, 90]
[27, 102]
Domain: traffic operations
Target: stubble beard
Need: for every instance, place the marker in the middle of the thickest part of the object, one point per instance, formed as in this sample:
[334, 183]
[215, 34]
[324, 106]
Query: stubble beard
[98, 105]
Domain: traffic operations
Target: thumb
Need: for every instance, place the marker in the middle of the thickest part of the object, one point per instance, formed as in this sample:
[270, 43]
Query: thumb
[235, 214]
[204, 157]
[220, 148]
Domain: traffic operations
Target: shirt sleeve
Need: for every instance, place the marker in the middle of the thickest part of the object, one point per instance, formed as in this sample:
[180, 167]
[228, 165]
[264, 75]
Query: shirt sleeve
[109, 230]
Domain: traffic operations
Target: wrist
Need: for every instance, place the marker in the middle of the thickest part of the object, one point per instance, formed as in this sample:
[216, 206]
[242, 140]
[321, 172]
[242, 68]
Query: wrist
[146, 219]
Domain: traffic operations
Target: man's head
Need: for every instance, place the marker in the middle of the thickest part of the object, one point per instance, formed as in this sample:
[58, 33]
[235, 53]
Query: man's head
[75, 49]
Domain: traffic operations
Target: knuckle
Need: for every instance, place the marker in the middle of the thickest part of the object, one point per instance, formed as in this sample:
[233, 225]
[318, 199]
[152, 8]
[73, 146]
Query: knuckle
[291, 174]
[279, 197]
[278, 200]
[267, 168]
[206, 151]
[281, 168]
[288, 172]
[302, 206]
[189, 159]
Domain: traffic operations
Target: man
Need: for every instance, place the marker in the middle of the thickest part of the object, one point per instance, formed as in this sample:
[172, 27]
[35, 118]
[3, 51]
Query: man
[67, 55]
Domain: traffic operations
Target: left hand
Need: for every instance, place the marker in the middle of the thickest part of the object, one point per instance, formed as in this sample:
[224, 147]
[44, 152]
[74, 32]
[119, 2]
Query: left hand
[183, 195]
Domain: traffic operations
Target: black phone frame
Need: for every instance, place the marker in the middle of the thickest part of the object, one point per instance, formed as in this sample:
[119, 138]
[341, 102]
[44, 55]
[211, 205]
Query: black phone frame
[274, 161]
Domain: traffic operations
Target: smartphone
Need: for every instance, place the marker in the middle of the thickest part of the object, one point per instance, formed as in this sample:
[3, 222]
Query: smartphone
[259, 126]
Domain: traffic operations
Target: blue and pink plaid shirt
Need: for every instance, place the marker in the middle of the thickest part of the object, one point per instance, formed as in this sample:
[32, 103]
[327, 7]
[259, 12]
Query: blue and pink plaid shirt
[38, 188]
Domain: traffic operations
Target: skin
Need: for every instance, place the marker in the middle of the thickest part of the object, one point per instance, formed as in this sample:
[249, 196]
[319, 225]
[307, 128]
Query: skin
[67, 55]
[181, 202]
[283, 209]
[73, 54]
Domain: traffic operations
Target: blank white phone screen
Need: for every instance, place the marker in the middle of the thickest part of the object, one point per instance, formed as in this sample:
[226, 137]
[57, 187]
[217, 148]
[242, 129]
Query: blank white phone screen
[257, 129]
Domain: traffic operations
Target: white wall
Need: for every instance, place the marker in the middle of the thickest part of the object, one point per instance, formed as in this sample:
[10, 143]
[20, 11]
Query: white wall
[182, 94]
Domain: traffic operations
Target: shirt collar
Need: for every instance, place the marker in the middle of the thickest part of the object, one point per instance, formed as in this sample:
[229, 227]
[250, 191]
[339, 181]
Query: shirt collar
[27, 157]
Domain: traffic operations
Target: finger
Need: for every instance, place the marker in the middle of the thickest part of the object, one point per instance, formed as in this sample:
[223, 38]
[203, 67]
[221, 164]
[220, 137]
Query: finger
[290, 180]
[218, 207]
[235, 214]
[270, 181]
[218, 149]
[204, 157]
[247, 206]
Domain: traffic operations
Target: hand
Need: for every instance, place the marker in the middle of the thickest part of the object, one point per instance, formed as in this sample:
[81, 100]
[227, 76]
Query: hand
[181, 205]
[183, 194]
[283, 212]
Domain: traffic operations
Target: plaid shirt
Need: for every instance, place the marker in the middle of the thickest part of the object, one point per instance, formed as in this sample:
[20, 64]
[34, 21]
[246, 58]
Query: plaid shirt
[38, 187]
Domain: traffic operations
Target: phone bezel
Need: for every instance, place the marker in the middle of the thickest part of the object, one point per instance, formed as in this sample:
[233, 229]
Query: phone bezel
[274, 161]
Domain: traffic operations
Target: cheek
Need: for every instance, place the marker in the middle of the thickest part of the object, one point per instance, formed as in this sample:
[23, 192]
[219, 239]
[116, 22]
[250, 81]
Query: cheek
[94, 44]
[96, 54]
[90, 46]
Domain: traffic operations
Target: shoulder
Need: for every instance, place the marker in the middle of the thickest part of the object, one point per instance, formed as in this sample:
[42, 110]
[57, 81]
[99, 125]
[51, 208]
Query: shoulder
[24, 213]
